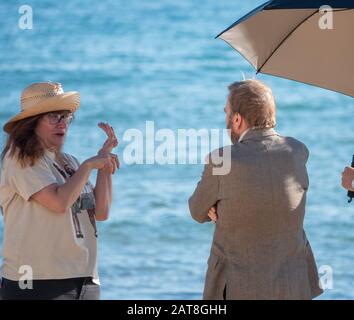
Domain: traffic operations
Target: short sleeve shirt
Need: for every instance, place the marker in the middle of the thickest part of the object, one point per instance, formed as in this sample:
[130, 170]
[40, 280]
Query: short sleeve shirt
[53, 245]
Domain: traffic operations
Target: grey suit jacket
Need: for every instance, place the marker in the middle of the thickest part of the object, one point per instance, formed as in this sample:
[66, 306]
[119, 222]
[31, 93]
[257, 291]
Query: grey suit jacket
[260, 249]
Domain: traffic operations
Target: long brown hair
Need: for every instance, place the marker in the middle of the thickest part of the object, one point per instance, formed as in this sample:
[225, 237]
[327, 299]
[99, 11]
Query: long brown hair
[23, 142]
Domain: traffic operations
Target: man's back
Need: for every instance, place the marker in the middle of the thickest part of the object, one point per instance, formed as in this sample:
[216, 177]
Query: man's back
[259, 250]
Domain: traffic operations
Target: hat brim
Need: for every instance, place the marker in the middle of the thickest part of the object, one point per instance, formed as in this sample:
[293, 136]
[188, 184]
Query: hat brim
[64, 101]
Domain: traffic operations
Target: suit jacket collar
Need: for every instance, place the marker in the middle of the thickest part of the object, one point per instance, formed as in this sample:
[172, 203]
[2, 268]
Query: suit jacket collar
[259, 134]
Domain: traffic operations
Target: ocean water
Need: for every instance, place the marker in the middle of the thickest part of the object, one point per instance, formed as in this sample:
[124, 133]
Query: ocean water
[137, 61]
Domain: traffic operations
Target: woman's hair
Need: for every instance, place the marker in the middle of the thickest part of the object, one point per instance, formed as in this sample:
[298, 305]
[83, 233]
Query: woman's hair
[23, 143]
[254, 101]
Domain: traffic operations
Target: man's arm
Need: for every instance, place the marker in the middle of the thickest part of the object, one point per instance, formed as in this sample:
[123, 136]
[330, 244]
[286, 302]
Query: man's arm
[205, 195]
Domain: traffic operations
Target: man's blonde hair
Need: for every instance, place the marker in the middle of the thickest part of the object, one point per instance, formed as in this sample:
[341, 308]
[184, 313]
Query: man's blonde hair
[254, 101]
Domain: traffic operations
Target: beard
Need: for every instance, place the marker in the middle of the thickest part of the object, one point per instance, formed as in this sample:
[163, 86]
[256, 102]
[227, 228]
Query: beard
[233, 135]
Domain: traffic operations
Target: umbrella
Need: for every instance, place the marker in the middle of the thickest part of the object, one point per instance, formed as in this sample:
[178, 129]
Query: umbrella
[293, 39]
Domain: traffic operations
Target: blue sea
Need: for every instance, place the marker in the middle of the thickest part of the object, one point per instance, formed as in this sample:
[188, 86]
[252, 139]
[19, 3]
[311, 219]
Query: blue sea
[136, 61]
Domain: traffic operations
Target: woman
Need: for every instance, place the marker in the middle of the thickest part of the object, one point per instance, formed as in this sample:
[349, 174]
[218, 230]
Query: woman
[49, 206]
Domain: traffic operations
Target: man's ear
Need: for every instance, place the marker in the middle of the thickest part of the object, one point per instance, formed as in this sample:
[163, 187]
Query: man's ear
[236, 119]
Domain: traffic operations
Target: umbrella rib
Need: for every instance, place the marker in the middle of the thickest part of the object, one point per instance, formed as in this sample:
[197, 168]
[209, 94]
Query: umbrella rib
[289, 34]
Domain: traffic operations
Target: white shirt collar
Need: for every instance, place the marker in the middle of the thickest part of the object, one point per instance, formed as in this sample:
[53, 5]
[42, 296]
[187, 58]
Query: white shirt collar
[50, 154]
[243, 134]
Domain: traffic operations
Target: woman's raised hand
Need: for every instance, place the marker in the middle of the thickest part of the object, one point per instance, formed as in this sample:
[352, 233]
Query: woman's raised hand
[111, 141]
[106, 150]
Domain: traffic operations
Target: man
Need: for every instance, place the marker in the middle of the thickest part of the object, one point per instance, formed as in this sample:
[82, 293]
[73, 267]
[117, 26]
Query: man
[260, 249]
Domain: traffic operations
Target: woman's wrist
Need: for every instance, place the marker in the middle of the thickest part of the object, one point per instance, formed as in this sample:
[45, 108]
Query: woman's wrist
[102, 152]
[86, 165]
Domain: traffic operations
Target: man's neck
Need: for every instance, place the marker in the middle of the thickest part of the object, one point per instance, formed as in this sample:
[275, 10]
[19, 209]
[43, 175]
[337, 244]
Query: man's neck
[243, 134]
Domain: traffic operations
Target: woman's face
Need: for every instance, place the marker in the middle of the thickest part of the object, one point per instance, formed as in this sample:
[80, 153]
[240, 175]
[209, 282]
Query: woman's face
[52, 128]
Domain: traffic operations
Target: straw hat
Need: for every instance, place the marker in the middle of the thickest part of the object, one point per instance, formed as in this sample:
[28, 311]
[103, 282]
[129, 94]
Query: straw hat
[42, 97]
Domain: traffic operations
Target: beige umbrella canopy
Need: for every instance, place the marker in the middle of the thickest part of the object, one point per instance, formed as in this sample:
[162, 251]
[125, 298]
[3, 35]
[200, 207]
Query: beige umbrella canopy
[297, 40]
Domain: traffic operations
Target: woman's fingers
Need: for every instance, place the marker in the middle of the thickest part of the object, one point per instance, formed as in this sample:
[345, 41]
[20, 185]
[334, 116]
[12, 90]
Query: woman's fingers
[111, 131]
[103, 126]
[108, 166]
[115, 140]
[106, 128]
[115, 160]
[113, 137]
[106, 163]
[114, 167]
[109, 162]
[112, 140]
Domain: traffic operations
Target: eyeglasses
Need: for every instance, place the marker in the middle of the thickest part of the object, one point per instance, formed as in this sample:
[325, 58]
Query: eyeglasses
[57, 117]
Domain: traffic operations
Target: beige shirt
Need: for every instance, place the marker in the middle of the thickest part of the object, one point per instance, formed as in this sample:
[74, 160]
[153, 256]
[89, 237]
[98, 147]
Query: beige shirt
[54, 245]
